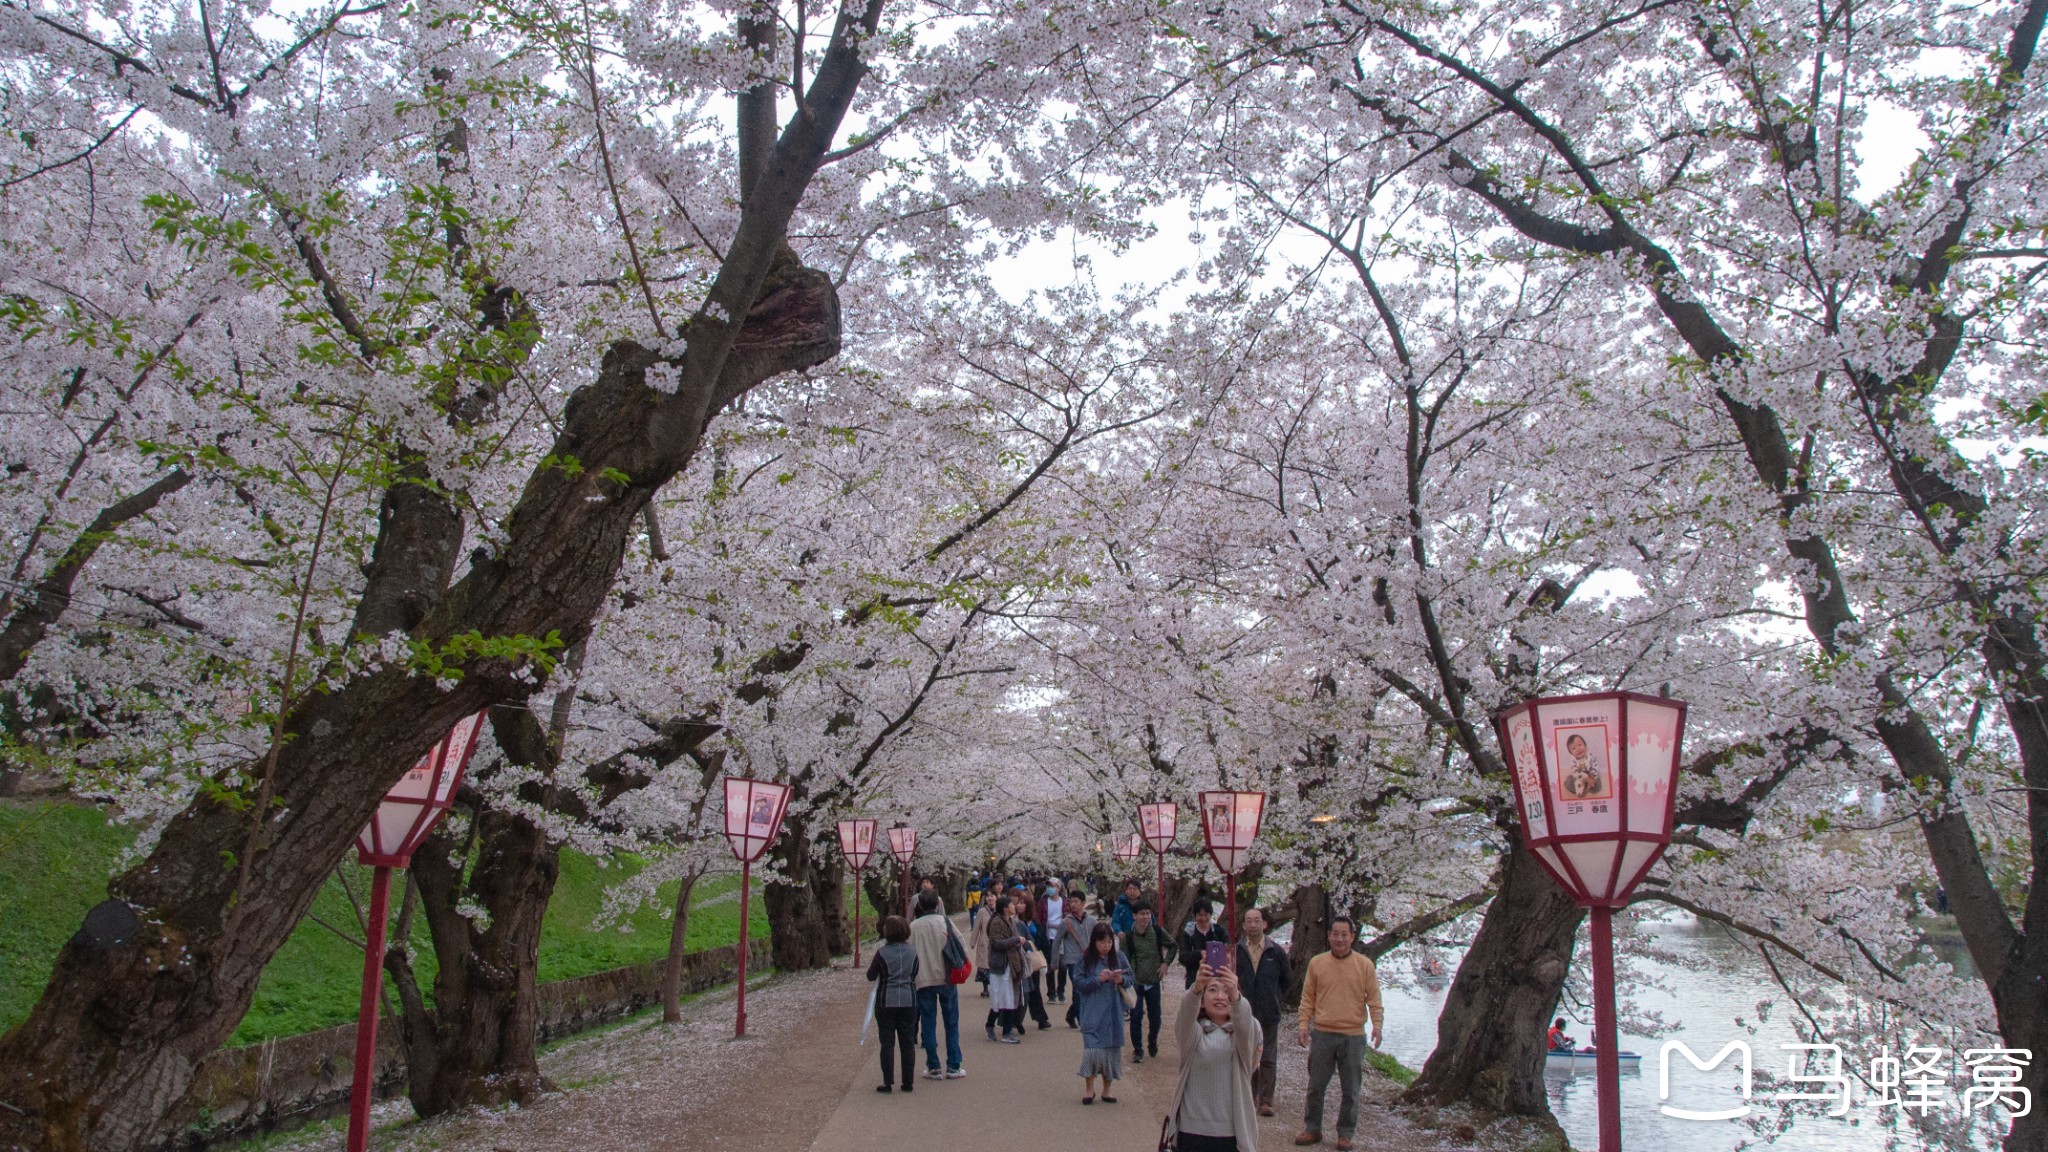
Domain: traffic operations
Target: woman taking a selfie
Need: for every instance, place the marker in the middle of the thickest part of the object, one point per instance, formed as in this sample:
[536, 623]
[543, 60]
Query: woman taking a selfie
[1099, 980]
[1219, 1050]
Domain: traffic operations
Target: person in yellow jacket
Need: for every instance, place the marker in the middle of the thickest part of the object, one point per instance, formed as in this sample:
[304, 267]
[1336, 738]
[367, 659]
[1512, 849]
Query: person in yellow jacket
[1340, 995]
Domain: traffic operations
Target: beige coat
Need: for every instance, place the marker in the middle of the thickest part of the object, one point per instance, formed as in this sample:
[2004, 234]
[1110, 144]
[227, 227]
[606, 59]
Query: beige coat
[1245, 1032]
[977, 942]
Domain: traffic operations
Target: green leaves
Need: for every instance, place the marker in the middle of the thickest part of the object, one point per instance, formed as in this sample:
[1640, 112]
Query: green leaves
[449, 659]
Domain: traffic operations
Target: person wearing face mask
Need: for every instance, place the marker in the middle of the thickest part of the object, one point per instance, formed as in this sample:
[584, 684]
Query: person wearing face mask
[1218, 1037]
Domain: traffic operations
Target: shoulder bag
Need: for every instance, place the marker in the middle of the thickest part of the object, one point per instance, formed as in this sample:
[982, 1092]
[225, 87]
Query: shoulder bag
[954, 956]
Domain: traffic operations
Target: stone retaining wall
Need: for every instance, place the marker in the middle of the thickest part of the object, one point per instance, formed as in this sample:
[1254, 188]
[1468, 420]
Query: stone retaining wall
[283, 1083]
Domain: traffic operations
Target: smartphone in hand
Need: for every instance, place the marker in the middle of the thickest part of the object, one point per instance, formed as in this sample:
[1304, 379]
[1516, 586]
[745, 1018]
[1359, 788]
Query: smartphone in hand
[1217, 956]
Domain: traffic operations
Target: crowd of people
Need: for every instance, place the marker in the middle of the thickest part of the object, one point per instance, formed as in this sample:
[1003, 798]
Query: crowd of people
[1049, 942]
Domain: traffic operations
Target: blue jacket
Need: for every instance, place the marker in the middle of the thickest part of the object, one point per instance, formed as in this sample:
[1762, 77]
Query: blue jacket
[1101, 1005]
[1121, 916]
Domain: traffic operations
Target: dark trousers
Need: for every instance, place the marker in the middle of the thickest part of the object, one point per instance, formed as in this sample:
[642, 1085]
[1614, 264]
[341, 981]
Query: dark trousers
[1073, 1005]
[1057, 977]
[898, 1027]
[1269, 1064]
[1148, 1002]
[1196, 1142]
[1034, 999]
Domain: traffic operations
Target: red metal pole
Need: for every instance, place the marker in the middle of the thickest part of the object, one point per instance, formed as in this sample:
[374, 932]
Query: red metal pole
[1161, 917]
[856, 917]
[906, 890]
[739, 1031]
[1230, 903]
[1607, 1065]
[366, 1015]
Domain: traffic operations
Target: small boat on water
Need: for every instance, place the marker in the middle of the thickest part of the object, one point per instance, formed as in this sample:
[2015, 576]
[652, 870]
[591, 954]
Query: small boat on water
[1586, 1059]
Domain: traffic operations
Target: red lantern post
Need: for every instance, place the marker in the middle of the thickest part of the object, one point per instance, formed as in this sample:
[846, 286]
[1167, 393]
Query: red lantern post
[409, 811]
[1159, 824]
[753, 818]
[857, 843]
[1594, 781]
[1230, 823]
[903, 845]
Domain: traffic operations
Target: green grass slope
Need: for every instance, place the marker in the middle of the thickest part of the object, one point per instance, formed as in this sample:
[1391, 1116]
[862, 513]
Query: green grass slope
[56, 857]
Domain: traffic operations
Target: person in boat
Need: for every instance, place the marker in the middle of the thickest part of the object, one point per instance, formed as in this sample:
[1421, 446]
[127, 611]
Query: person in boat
[1559, 1041]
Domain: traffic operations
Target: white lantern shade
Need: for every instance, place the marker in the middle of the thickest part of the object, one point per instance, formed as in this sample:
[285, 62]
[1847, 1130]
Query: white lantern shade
[903, 844]
[1595, 786]
[857, 841]
[1230, 823]
[414, 804]
[753, 815]
[1159, 823]
[1128, 847]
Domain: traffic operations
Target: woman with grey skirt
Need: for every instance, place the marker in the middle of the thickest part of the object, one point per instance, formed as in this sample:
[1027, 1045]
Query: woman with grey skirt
[1098, 984]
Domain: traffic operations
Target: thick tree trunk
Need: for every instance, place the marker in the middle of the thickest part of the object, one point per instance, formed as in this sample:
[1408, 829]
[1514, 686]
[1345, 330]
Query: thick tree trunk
[1490, 1037]
[799, 935]
[1181, 893]
[828, 887]
[1311, 935]
[672, 969]
[478, 1046]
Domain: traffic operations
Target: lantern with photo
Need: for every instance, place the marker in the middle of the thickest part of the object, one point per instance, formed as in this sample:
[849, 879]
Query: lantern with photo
[1230, 825]
[1595, 780]
[753, 818]
[857, 843]
[1159, 823]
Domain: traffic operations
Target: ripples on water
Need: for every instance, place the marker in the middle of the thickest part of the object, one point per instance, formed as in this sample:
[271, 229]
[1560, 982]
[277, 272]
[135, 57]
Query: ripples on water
[1716, 1004]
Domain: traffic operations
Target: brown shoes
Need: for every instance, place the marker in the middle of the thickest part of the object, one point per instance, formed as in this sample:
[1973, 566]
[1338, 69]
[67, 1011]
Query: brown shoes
[1343, 1144]
[1309, 1138]
[1265, 1109]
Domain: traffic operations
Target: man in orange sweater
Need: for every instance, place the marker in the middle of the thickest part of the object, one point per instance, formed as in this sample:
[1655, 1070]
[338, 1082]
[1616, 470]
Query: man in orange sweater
[1341, 993]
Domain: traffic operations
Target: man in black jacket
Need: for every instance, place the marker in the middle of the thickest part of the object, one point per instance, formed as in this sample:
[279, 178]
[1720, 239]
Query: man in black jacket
[1263, 971]
[1196, 937]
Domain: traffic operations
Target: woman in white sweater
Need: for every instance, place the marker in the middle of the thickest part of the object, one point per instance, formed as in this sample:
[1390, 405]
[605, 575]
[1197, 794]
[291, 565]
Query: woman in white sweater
[1219, 1050]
